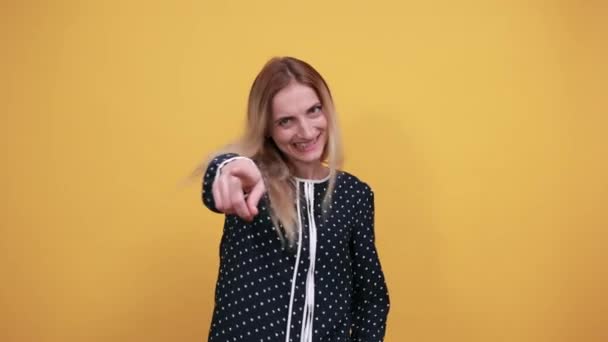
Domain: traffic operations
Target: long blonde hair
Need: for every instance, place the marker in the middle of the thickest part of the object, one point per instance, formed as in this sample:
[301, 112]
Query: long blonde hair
[256, 143]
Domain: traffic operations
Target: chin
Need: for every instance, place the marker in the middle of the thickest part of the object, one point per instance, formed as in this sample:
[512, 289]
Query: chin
[311, 160]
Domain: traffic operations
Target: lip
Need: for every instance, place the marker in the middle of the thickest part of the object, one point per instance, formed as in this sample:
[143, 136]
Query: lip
[311, 147]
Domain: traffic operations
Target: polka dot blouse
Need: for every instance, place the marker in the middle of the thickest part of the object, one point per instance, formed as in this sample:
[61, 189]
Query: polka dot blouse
[329, 287]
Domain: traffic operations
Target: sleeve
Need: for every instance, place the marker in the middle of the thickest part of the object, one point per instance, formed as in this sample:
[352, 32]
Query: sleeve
[213, 170]
[370, 298]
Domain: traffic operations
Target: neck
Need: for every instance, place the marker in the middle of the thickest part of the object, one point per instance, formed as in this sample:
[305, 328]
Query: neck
[316, 171]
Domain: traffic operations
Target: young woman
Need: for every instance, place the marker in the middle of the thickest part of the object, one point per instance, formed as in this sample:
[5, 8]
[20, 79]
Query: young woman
[298, 260]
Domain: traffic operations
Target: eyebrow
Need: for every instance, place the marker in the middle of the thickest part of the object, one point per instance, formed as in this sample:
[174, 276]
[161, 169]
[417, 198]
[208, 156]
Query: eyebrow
[309, 110]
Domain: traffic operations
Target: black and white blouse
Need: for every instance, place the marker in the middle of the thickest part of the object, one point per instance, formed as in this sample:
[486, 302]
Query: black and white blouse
[329, 287]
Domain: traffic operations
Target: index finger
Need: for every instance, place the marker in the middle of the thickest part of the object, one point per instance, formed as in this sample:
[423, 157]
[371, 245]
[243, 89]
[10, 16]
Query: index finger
[254, 197]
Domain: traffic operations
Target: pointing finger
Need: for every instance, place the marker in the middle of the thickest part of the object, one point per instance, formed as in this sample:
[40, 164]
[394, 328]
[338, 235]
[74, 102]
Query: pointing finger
[254, 197]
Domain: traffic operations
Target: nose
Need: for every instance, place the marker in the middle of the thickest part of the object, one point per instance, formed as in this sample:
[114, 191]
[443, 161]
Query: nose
[307, 130]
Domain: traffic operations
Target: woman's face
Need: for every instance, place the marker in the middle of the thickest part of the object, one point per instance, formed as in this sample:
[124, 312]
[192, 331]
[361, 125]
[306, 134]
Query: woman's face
[299, 125]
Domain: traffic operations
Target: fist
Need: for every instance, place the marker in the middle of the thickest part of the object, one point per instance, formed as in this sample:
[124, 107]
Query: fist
[238, 189]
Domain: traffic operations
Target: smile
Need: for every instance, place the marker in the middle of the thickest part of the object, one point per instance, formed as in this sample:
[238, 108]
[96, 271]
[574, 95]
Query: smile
[306, 146]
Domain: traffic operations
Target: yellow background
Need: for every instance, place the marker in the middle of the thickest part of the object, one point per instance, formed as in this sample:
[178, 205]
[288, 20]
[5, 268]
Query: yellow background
[481, 126]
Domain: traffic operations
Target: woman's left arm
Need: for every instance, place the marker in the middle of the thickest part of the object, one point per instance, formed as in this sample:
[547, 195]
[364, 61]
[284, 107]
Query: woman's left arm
[371, 300]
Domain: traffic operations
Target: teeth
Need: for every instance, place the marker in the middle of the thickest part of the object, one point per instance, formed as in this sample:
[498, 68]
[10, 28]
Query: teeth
[305, 145]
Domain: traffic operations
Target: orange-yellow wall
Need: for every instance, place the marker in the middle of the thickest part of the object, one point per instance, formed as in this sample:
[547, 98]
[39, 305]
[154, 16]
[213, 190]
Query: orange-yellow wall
[480, 125]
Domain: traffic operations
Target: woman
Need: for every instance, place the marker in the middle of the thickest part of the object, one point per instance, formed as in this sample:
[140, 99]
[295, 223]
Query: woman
[297, 256]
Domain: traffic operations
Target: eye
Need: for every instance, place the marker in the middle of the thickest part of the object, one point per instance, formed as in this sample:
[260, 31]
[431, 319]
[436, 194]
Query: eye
[315, 109]
[284, 122]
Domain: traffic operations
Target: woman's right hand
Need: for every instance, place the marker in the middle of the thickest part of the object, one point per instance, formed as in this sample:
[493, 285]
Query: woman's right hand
[238, 189]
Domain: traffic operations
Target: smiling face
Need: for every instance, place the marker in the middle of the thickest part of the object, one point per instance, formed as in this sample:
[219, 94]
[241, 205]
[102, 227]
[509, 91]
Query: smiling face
[299, 126]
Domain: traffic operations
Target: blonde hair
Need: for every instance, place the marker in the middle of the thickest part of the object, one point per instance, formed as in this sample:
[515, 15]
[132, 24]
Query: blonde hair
[256, 143]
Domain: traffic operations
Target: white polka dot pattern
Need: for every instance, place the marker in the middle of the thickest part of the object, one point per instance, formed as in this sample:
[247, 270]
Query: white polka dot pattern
[253, 289]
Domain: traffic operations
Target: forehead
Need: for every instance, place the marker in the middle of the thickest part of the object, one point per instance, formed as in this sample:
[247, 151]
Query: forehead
[294, 99]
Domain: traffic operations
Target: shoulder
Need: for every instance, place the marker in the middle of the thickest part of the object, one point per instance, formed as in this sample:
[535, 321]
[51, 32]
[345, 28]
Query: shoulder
[348, 182]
